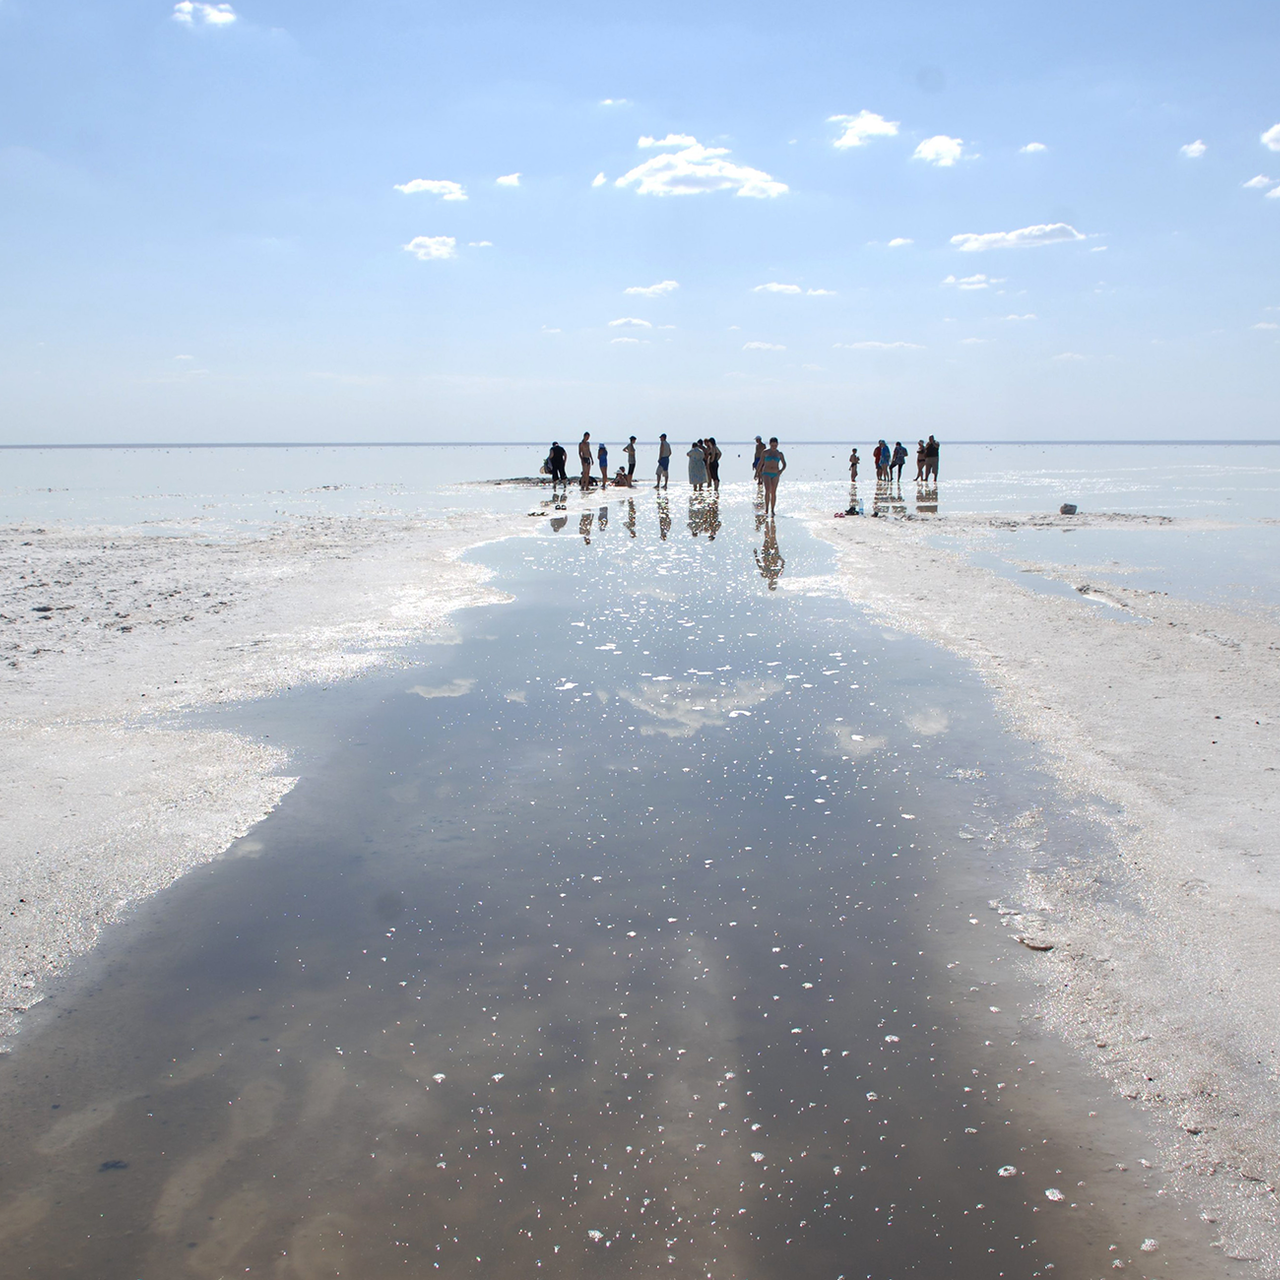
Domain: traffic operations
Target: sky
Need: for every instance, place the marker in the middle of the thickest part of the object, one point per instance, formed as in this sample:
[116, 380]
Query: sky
[275, 220]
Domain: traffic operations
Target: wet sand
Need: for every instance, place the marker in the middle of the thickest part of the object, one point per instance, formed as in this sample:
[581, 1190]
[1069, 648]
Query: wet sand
[1158, 715]
[108, 636]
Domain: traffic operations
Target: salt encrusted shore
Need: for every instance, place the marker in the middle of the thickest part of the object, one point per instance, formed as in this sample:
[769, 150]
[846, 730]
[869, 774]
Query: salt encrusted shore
[1164, 967]
[108, 635]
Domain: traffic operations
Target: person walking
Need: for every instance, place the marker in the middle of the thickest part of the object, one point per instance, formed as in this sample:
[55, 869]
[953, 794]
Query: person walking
[755, 462]
[772, 464]
[664, 462]
[697, 465]
[584, 458]
[630, 451]
[602, 457]
[898, 459]
[712, 450]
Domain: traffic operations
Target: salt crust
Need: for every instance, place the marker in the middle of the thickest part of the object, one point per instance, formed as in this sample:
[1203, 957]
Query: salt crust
[1166, 945]
[106, 799]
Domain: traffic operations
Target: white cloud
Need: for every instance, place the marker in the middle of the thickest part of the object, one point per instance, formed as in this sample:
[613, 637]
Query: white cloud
[774, 287]
[189, 12]
[1194, 150]
[1032, 147]
[671, 140]
[630, 322]
[1069, 355]
[1028, 316]
[696, 169]
[509, 180]
[940, 150]
[821, 293]
[866, 124]
[432, 248]
[1023, 238]
[762, 346]
[1271, 139]
[1274, 194]
[1259, 183]
[658, 290]
[817, 368]
[973, 342]
[599, 180]
[974, 282]
[899, 242]
[184, 357]
[545, 329]
[877, 346]
[615, 102]
[1266, 324]
[479, 244]
[635, 342]
[436, 186]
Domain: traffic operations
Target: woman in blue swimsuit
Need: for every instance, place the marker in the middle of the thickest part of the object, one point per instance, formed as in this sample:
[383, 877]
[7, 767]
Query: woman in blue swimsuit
[772, 464]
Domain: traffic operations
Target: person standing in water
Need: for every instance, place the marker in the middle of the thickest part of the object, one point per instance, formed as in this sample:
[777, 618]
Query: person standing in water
[630, 451]
[664, 462]
[920, 460]
[772, 464]
[697, 465]
[558, 457]
[931, 460]
[898, 459]
[853, 467]
[584, 458]
[712, 450]
[755, 462]
[602, 457]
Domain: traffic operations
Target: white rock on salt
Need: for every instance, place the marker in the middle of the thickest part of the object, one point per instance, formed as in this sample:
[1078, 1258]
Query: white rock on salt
[1052, 1193]
[1007, 1170]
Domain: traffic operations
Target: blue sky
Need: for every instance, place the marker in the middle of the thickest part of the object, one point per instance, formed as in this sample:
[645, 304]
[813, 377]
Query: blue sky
[205, 231]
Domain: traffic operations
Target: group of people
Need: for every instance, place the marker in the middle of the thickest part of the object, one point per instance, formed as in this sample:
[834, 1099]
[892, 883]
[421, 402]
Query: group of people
[890, 460]
[704, 457]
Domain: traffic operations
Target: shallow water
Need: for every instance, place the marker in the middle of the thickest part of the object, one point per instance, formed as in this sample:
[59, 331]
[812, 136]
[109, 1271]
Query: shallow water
[648, 929]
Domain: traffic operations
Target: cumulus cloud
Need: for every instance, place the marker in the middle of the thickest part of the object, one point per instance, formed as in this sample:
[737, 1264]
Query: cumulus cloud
[821, 293]
[1274, 194]
[1271, 139]
[762, 346]
[1194, 150]
[509, 180]
[978, 281]
[671, 140]
[1258, 183]
[877, 346]
[940, 150]
[1023, 238]
[1032, 147]
[599, 180]
[435, 186]
[774, 287]
[432, 248]
[682, 708]
[659, 290]
[899, 242]
[629, 322]
[191, 12]
[858, 129]
[695, 169]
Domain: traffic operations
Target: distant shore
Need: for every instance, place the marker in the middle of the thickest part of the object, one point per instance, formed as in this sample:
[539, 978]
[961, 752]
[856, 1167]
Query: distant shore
[1157, 956]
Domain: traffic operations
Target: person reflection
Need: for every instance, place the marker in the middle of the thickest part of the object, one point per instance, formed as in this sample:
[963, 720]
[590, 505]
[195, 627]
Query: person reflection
[704, 517]
[926, 500]
[602, 520]
[584, 526]
[630, 521]
[769, 558]
[664, 517]
[558, 523]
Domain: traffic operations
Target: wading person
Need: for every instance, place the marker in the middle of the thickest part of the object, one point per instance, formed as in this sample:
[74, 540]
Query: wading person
[584, 457]
[772, 464]
[630, 450]
[853, 467]
[755, 462]
[602, 457]
[712, 450]
[899, 459]
[931, 460]
[697, 465]
[664, 462]
[920, 460]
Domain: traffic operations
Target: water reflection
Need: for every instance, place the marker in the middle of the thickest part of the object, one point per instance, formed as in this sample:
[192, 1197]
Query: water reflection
[704, 516]
[769, 558]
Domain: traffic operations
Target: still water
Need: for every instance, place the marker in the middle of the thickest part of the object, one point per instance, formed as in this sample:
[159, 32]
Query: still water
[648, 929]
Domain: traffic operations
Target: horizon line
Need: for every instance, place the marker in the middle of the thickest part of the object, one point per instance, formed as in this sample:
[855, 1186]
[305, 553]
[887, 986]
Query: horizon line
[533, 444]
